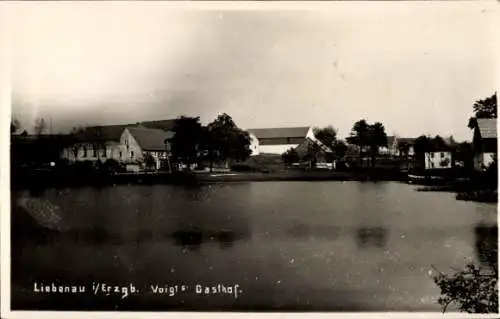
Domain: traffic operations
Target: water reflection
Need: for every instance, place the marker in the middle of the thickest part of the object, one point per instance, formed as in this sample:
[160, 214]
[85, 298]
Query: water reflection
[371, 237]
[300, 230]
[486, 243]
[194, 238]
[190, 239]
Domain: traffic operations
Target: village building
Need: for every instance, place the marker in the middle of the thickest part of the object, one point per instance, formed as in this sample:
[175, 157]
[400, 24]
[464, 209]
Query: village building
[316, 152]
[128, 144]
[391, 147]
[278, 140]
[440, 154]
[398, 146]
[141, 143]
[485, 143]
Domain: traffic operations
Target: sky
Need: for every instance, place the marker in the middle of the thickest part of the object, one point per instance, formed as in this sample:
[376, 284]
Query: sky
[415, 67]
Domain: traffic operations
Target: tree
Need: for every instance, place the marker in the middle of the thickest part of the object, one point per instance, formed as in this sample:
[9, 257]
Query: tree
[377, 138]
[422, 145]
[313, 150]
[438, 144]
[364, 134]
[486, 108]
[40, 126]
[465, 154]
[226, 141]
[340, 149]
[187, 139]
[474, 289]
[326, 135]
[290, 156]
[359, 137]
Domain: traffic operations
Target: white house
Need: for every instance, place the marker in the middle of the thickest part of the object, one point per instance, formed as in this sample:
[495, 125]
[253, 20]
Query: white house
[97, 143]
[440, 154]
[278, 140]
[485, 143]
[439, 159]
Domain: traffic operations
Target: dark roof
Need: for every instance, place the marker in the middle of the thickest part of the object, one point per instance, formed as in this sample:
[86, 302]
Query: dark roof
[280, 132]
[321, 145]
[303, 148]
[150, 139]
[113, 132]
[440, 145]
[106, 133]
[487, 128]
[407, 140]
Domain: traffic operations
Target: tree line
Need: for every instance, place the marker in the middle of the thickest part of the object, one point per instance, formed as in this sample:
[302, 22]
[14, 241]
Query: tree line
[219, 142]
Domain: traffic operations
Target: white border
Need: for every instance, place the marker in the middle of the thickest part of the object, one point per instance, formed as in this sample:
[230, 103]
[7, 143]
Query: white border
[5, 99]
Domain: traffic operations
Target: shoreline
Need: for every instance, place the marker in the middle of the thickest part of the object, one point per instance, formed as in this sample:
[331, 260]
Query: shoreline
[464, 189]
[61, 179]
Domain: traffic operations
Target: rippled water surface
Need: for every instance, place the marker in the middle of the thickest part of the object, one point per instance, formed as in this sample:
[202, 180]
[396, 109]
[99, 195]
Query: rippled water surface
[289, 245]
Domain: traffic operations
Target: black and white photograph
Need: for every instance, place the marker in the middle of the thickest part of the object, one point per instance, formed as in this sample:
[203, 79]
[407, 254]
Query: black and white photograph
[331, 157]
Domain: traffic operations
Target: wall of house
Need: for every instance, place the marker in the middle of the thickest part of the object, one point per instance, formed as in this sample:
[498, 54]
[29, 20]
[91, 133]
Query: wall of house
[254, 145]
[85, 152]
[483, 160]
[132, 150]
[276, 149]
[157, 156]
[438, 160]
[276, 145]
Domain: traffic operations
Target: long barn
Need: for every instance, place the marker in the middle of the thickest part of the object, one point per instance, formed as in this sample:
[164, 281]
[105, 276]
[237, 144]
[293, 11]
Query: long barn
[278, 140]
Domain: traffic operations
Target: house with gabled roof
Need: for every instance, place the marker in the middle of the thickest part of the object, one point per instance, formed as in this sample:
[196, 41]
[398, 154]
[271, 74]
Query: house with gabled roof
[278, 140]
[395, 146]
[439, 154]
[391, 147]
[140, 143]
[484, 143]
[125, 143]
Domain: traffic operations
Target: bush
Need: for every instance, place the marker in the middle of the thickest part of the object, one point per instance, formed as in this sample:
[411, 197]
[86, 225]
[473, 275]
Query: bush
[113, 166]
[473, 290]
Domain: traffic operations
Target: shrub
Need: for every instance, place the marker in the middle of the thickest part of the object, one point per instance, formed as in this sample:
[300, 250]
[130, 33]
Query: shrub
[112, 166]
[471, 289]
[475, 288]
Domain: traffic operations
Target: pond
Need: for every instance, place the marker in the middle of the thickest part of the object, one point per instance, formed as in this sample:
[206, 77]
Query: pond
[321, 246]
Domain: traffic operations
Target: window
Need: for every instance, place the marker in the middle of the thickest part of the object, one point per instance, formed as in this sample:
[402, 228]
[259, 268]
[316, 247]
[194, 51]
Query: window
[85, 151]
[442, 154]
[432, 155]
[131, 153]
[94, 152]
[121, 155]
